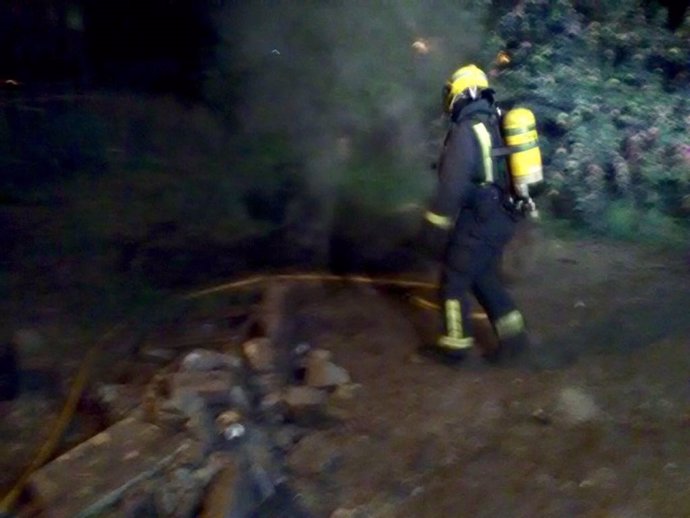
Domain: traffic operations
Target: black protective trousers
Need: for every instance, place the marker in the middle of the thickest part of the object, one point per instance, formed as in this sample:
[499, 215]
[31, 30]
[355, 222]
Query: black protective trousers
[472, 267]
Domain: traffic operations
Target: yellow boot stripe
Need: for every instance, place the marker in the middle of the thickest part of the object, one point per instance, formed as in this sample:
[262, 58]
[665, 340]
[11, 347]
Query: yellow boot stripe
[454, 318]
[427, 304]
[450, 342]
[510, 324]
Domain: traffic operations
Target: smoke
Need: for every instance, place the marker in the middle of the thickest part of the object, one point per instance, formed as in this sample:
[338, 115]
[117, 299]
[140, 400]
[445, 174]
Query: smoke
[337, 66]
[355, 85]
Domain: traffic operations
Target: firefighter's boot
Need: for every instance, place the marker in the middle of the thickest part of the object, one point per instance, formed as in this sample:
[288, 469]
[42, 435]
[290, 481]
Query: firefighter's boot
[513, 342]
[456, 341]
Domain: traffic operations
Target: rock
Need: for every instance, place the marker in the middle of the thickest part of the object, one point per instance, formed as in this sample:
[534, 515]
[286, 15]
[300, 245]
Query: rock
[153, 396]
[178, 494]
[302, 349]
[201, 426]
[322, 373]
[341, 404]
[205, 360]
[186, 402]
[171, 419]
[603, 478]
[268, 383]
[213, 386]
[159, 355]
[229, 425]
[136, 504]
[259, 354]
[285, 437]
[227, 418]
[315, 454]
[297, 361]
[239, 399]
[237, 490]
[337, 412]
[302, 397]
[320, 355]
[273, 408]
[221, 498]
[306, 405]
[215, 462]
[283, 503]
[271, 401]
[576, 406]
[541, 417]
[199, 420]
[118, 399]
[262, 464]
[346, 391]
[234, 431]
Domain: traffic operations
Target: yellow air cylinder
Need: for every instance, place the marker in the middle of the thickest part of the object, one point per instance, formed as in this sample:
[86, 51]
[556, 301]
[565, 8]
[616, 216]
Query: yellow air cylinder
[524, 161]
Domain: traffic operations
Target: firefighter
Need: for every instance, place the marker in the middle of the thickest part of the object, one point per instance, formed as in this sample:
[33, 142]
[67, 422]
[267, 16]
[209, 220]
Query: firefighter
[471, 218]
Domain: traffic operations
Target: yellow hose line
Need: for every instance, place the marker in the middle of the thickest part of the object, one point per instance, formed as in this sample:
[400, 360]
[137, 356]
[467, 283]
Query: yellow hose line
[427, 304]
[62, 421]
[326, 277]
[424, 303]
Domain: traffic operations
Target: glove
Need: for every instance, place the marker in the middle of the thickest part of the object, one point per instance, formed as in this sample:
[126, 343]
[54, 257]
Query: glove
[527, 208]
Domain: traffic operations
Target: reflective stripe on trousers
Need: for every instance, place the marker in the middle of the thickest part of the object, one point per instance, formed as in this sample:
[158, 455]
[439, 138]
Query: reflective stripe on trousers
[438, 220]
[454, 339]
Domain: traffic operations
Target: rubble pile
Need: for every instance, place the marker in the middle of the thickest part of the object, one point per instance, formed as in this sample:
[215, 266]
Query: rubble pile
[215, 433]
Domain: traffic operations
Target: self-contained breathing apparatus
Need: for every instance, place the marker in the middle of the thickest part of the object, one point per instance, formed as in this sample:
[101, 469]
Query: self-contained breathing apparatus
[519, 131]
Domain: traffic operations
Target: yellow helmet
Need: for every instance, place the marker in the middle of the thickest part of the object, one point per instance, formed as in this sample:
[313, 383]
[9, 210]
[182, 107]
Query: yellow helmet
[462, 79]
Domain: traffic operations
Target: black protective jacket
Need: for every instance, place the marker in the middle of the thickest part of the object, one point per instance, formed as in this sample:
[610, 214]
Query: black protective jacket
[462, 168]
[472, 198]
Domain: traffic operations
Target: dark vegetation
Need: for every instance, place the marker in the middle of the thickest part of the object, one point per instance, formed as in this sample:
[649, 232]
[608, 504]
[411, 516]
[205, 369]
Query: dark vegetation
[611, 92]
[171, 143]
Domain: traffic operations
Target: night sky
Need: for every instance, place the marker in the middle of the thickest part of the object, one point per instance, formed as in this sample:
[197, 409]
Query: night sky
[151, 46]
[161, 46]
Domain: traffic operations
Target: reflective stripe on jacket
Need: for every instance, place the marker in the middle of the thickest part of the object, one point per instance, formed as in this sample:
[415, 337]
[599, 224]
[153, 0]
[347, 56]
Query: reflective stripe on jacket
[466, 162]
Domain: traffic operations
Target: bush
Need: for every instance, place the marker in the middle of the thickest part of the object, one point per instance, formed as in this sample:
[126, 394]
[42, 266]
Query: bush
[610, 91]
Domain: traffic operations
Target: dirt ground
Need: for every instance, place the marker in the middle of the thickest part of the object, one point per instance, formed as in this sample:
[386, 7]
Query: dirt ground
[600, 429]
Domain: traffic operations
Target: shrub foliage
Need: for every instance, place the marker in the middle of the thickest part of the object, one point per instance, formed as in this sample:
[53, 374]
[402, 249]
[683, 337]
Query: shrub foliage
[611, 90]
